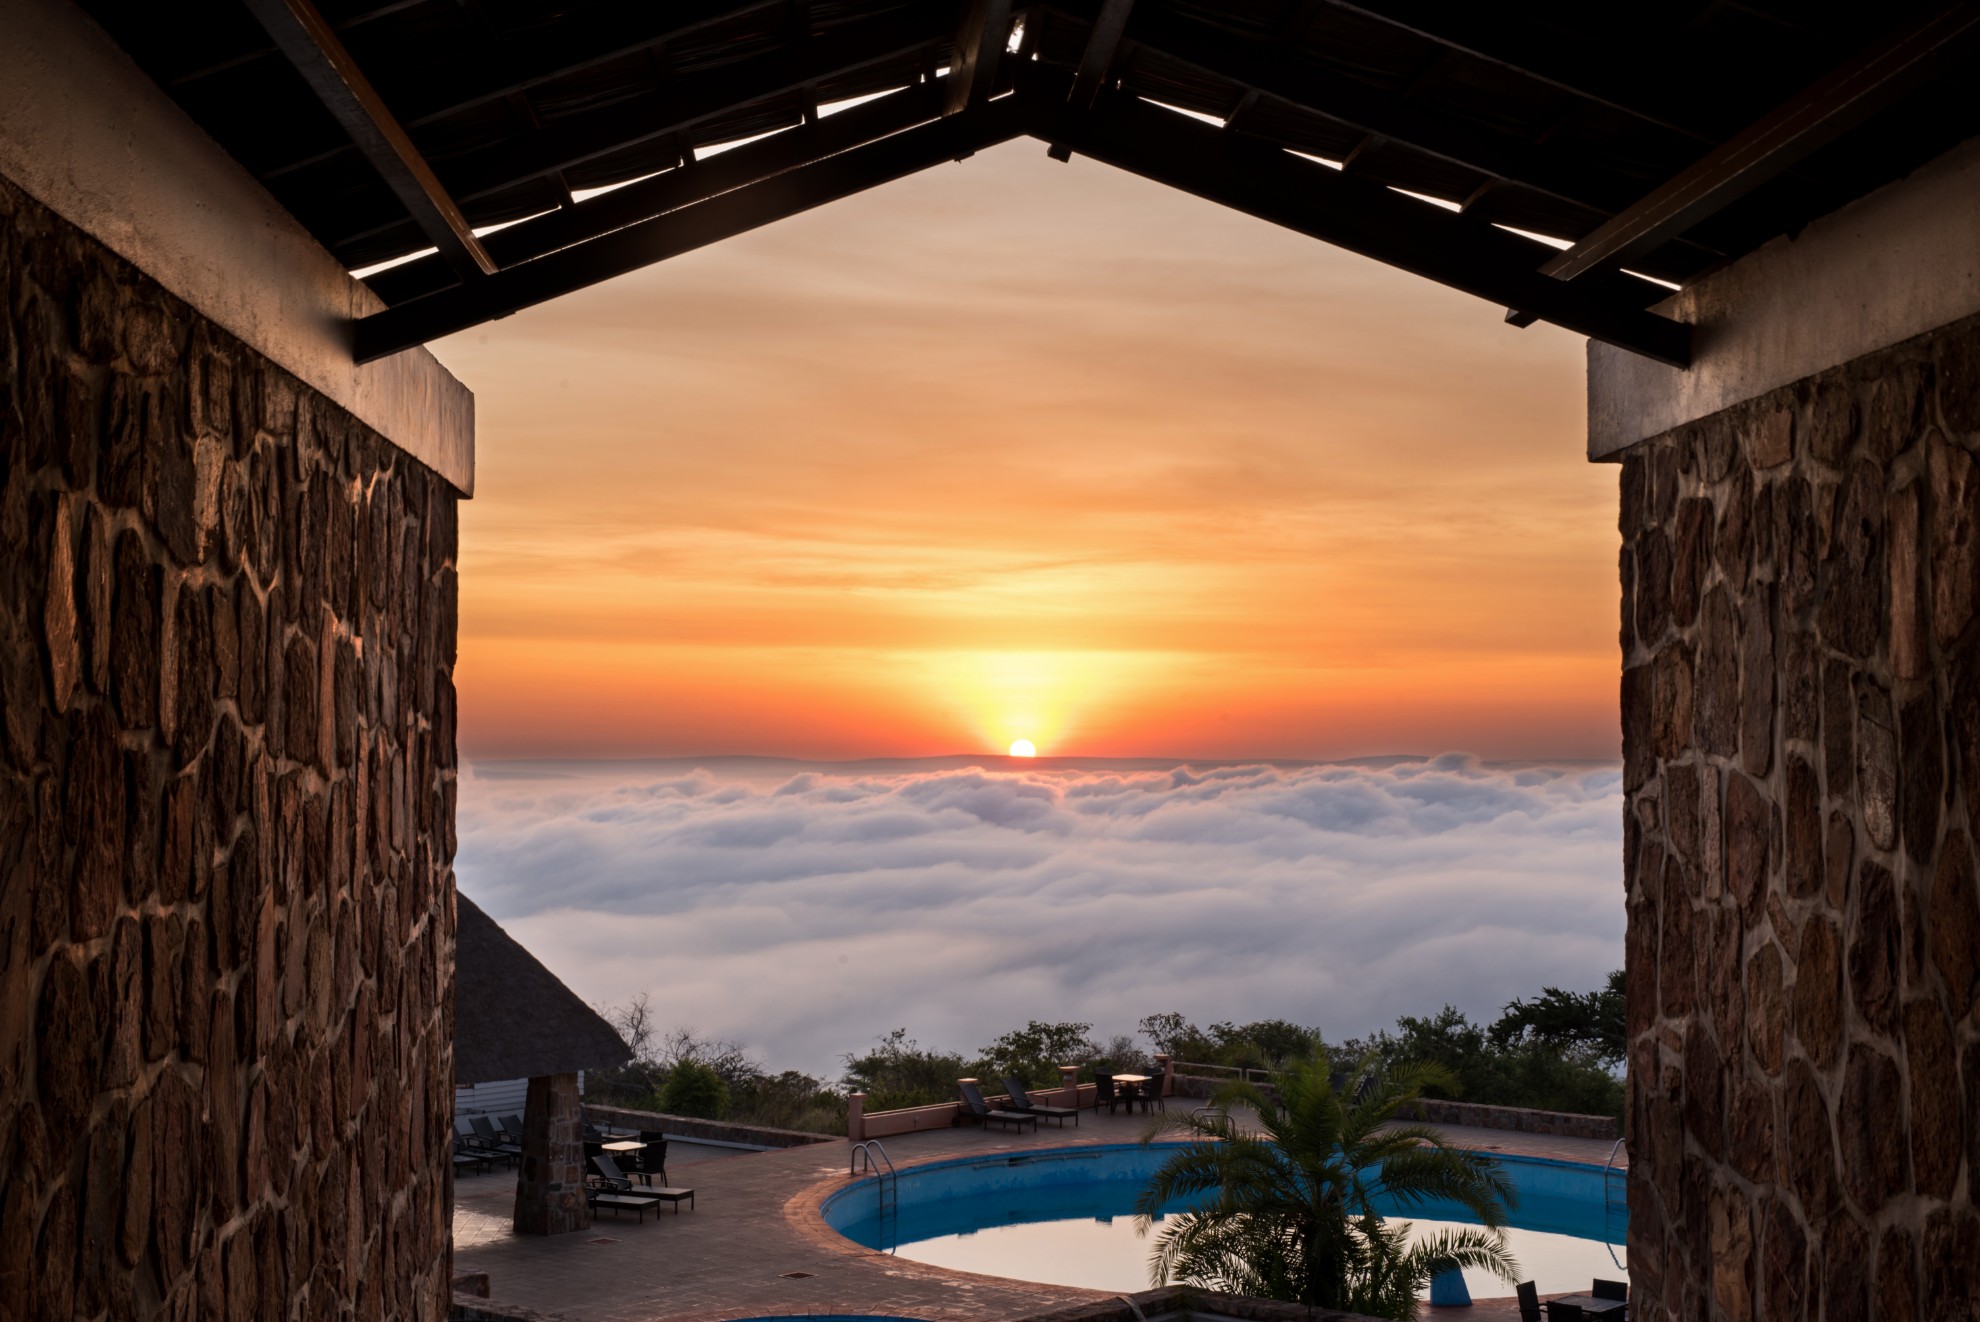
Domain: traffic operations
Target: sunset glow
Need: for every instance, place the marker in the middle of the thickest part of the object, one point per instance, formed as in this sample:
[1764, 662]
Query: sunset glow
[1162, 482]
[1023, 748]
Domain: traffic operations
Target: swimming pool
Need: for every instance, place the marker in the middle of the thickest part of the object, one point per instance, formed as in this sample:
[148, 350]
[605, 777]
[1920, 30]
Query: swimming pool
[1065, 1216]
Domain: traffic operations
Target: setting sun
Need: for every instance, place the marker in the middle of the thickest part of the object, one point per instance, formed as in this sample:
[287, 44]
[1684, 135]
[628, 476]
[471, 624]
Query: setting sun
[1022, 748]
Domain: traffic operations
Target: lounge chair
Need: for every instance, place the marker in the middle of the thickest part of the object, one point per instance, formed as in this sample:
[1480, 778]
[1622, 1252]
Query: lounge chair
[613, 1178]
[491, 1138]
[1529, 1302]
[610, 1180]
[973, 1097]
[1021, 1101]
[468, 1139]
[512, 1125]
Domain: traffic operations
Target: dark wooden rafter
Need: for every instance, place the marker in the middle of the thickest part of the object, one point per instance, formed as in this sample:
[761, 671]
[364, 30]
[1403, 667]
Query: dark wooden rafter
[980, 40]
[313, 48]
[1798, 127]
[1372, 110]
[1272, 184]
[598, 216]
[946, 138]
[1482, 31]
[688, 100]
[1103, 45]
[489, 72]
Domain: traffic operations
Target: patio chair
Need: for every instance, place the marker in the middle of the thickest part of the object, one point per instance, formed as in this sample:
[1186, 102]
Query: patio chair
[491, 1139]
[1529, 1302]
[1106, 1094]
[653, 1157]
[1563, 1312]
[973, 1097]
[1021, 1101]
[467, 1139]
[1610, 1289]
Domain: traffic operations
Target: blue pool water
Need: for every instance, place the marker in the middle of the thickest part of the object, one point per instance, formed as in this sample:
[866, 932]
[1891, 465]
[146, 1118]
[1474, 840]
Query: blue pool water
[1066, 1216]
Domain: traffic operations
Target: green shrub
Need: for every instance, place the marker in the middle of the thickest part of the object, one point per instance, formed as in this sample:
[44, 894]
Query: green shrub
[695, 1089]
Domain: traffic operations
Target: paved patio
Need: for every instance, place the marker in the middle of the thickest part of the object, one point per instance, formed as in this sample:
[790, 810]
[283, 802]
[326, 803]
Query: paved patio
[755, 1246]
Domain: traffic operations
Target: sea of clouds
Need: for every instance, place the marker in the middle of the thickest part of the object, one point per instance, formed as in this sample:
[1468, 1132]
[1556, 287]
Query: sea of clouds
[804, 912]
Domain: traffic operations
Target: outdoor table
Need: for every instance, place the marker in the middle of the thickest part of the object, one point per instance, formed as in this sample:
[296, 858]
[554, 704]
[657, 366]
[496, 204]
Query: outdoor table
[624, 1145]
[1134, 1081]
[1594, 1307]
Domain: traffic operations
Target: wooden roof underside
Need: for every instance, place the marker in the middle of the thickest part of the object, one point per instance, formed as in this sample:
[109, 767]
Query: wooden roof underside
[1663, 139]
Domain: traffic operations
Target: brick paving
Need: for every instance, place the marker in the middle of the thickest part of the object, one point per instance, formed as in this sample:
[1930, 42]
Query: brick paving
[755, 1246]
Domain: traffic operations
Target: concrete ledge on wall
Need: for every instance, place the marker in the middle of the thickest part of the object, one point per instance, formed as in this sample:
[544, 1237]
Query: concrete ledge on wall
[84, 131]
[1890, 266]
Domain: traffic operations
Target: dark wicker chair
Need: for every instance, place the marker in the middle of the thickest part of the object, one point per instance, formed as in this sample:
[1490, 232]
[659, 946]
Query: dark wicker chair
[1610, 1289]
[653, 1157]
[1529, 1302]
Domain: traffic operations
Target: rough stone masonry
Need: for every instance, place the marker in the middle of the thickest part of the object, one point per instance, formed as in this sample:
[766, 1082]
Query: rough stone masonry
[227, 618]
[1801, 728]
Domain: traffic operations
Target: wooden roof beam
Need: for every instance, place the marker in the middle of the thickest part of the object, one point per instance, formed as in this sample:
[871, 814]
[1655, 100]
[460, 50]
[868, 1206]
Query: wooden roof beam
[1262, 180]
[1366, 108]
[1482, 31]
[1792, 131]
[947, 138]
[980, 42]
[598, 216]
[689, 100]
[1103, 44]
[312, 47]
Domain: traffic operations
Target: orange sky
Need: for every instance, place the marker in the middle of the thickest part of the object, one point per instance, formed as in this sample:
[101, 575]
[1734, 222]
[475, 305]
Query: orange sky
[1021, 449]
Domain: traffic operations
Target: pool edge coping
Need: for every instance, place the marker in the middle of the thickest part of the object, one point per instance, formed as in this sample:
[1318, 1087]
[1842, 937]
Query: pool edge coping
[804, 1211]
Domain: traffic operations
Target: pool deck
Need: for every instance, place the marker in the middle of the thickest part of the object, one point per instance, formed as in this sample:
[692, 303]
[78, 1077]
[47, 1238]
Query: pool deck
[754, 1244]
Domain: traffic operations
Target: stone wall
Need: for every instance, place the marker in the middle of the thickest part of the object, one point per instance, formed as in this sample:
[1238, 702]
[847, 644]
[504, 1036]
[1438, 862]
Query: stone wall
[1522, 1119]
[1801, 732]
[226, 805]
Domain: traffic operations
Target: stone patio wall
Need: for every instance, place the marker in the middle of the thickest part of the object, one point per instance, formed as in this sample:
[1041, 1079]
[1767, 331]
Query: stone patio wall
[1801, 730]
[227, 620]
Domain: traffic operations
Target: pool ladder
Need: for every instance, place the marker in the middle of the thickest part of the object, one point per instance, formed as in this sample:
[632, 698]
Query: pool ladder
[887, 1183]
[1609, 1171]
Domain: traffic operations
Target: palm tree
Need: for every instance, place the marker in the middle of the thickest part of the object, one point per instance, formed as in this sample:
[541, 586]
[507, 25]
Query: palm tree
[1290, 1211]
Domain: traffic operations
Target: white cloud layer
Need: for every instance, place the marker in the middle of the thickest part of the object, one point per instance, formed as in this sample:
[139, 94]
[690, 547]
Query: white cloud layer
[804, 913]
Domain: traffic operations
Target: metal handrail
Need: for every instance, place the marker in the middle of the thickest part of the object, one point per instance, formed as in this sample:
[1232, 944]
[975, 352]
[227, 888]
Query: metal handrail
[867, 1149]
[1608, 1204]
[882, 1180]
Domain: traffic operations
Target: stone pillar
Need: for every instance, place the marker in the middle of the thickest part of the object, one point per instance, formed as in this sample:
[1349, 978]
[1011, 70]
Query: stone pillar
[1068, 1085]
[855, 1117]
[1165, 1065]
[1801, 736]
[226, 818]
[550, 1189]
